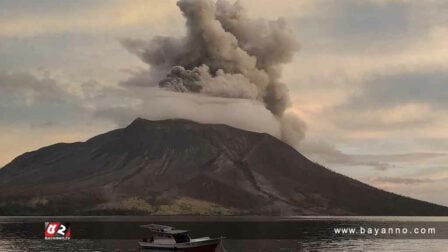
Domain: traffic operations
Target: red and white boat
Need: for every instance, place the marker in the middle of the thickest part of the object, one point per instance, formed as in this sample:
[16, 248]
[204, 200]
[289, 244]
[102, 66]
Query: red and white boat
[166, 238]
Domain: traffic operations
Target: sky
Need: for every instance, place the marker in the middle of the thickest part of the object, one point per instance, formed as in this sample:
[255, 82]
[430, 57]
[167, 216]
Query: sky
[370, 80]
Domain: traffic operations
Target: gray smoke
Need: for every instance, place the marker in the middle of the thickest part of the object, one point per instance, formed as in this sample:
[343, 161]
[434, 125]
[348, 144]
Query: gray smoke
[224, 54]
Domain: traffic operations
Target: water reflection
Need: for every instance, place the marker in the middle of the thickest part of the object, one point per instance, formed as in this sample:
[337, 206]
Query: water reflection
[16, 245]
[20, 237]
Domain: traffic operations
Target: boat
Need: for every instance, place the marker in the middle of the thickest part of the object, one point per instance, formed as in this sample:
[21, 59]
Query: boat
[166, 238]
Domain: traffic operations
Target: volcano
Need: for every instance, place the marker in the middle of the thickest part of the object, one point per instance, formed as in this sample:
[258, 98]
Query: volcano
[184, 167]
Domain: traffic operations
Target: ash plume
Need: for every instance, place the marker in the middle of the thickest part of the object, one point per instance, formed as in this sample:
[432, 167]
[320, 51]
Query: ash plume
[225, 54]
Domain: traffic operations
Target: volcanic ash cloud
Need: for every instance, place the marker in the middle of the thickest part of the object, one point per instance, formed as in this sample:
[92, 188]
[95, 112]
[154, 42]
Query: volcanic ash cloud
[225, 54]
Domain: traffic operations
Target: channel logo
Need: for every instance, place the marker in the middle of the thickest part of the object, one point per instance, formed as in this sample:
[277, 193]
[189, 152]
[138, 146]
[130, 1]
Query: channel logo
[57, 231]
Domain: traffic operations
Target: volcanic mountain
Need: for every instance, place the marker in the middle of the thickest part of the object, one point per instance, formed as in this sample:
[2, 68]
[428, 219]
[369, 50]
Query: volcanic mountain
[183, 167]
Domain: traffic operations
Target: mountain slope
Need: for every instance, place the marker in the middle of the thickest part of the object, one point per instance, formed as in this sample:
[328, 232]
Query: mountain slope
[176, 166]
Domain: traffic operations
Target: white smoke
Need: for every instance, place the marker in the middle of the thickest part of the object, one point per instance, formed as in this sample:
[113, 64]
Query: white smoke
[158, 104]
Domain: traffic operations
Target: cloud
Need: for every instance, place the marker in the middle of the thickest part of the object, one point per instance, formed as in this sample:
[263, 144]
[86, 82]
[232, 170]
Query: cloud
[328, 154]
[398, 117]
[156, 104]
[432, 191]
[338, 98]
[399, 102]
[96, 16]
[36, 111]
[30, 86]
[404, 181]
[435, 143]
[29, 99]
[360, 23]
[421, 87]
[284, 8]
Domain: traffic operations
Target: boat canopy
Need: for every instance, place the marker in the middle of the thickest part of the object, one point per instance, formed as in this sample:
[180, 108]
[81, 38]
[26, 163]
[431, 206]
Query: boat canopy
[155, 228]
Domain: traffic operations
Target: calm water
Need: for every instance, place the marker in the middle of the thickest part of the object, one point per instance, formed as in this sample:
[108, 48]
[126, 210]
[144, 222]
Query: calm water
[312, 234]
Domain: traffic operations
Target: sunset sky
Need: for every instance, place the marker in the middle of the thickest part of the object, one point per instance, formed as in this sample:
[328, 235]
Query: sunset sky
[370, 80]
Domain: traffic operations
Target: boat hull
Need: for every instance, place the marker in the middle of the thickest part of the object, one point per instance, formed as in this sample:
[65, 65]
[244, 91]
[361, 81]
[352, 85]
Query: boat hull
[202, 246]
[207, 248]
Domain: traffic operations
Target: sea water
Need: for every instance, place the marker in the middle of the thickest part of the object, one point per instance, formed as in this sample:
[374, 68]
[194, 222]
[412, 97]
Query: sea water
[244, 234]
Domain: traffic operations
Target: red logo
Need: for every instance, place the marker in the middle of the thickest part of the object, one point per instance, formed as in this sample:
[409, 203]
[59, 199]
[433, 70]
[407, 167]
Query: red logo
[57, 231]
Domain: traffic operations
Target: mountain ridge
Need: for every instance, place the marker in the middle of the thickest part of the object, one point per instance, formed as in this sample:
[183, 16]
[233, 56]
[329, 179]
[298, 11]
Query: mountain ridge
[179, 165]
